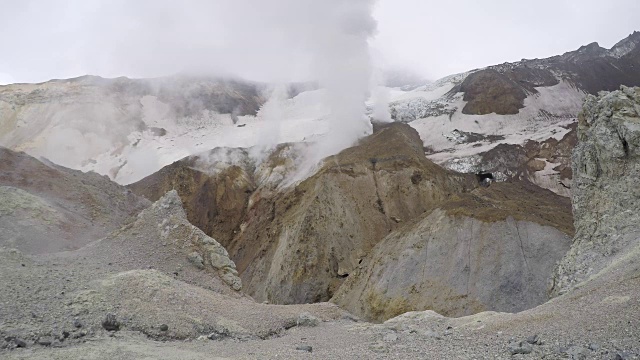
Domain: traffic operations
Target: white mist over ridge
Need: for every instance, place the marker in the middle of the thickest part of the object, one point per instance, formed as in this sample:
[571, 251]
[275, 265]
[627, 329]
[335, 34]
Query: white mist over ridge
[336, 35]
[343, 65]
[138, 126]
[380, 97]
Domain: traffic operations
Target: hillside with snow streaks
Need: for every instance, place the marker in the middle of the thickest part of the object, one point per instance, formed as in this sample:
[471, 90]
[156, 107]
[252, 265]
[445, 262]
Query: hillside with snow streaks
[544, 116]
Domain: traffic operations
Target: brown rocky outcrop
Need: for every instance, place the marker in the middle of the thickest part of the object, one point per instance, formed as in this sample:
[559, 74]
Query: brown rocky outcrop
[298, 246]
[215, 198]
[530, 161]
[501, 89]
[488, 91]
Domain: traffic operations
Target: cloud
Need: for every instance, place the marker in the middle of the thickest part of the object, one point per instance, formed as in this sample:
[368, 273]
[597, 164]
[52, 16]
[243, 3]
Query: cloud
[257, 40]
[6, 79]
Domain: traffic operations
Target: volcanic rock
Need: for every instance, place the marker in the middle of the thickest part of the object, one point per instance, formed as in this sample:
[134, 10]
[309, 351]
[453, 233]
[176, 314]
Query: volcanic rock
[490, 249]
[297, 244]
[606, 186]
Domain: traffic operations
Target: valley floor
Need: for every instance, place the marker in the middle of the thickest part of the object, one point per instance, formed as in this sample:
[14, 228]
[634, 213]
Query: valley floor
[598, 320]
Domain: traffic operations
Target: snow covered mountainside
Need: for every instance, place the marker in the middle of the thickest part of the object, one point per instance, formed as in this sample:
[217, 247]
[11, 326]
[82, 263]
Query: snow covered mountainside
[514, 120]
[121, 127]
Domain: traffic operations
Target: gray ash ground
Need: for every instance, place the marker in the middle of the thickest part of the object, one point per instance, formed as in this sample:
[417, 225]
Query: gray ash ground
[54, 307]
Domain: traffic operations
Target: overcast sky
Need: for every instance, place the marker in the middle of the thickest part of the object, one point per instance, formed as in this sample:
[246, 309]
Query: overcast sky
[265, 39]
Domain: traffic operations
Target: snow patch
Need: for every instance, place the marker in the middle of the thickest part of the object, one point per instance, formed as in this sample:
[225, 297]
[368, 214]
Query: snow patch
[545, 115]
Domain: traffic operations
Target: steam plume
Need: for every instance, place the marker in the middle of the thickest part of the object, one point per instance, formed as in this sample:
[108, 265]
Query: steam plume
[338, 36]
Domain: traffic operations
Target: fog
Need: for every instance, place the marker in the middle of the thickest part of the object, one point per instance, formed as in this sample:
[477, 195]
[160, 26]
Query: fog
[261, 40]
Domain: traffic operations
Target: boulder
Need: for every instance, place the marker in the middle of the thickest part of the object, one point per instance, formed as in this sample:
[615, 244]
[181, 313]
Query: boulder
[201, 250]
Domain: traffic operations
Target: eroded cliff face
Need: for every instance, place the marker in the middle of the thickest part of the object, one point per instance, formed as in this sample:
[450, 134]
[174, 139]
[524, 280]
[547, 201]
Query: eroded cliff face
[489, 249]
[606, 186]
[215, 194]
[299, 245]
[360, 219]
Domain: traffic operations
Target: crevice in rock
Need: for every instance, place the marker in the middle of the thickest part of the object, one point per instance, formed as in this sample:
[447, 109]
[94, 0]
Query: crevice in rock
[466, 305]
[416, 178]
[625, 147]
[426, 259]
[526, 263]
[379, 203]
[625, 144]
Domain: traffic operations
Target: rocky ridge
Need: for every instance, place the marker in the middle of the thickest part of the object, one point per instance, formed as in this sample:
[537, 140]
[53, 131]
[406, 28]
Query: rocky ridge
[500, 103]
[503, 88]
[299, 244]
[605, 189]
[128, 129]
[203, 251]
[47, 208]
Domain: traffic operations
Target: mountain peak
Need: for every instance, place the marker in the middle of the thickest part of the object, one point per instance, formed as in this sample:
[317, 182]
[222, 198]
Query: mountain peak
[592, 47]
[626, 45]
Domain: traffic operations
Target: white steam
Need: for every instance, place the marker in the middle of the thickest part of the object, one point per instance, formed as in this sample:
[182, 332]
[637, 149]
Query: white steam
[334, 34]
[337, 37]
[270, 116]
[343, 67]
[381, 96]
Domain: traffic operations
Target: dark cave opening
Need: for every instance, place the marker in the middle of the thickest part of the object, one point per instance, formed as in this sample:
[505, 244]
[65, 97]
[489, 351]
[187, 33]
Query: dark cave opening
[484, 178]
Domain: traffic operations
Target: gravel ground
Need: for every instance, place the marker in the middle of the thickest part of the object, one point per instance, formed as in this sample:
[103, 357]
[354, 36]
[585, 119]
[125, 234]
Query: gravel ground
[599, 320]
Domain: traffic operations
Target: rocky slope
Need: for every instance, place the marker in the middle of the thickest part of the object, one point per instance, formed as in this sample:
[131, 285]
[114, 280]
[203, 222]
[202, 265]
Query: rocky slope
[47, 208]
[297, 244]
[502, 88]
[545, 163]
[158, 275]
[172, 229]
[215, 194]
[596, 321]
[606, 192]
[490, 249]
